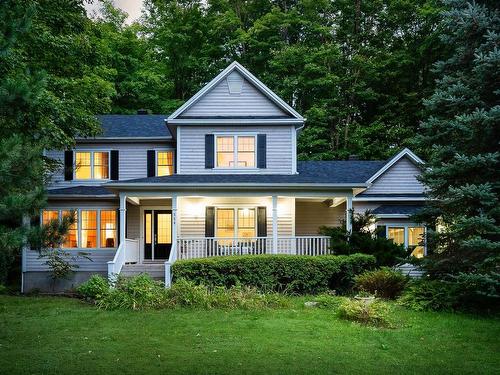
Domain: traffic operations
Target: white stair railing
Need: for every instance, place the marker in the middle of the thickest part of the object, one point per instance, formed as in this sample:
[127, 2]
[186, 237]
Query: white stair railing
[115, 265]
[168, 265]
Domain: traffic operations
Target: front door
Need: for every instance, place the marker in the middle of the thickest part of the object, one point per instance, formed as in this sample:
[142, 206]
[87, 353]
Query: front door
[157, 234]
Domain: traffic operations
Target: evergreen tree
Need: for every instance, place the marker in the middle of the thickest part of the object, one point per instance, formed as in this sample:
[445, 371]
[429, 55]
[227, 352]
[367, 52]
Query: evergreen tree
[462, 134]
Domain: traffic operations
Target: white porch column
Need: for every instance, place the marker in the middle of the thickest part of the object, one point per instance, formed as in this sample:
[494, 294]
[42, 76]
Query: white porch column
[348, 214]
[174, 224]
[123, 218]
[275, 224]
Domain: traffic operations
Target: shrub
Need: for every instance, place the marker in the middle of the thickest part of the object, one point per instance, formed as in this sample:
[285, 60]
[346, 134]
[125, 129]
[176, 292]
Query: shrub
[374, 314]
[94, 288]
[3, 289]
[135, 293]
[281, 273]
[478, 291]
[424, 295]
[328, 301]
[384, 282]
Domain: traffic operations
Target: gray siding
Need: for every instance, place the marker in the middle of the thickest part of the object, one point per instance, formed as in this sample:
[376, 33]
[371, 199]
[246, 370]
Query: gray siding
[133, 221]
[97, 263]
[219, 102]
[132, 161]
[310, 216]
[279, 148]
[400, 178]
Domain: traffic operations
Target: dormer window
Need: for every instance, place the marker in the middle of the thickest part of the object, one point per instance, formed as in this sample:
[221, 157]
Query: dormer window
[236, 151]
[91, 165]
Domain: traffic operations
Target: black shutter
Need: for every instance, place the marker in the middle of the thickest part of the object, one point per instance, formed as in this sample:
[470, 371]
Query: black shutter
[68, 165]
[209, 151]
[117, 228]
[151, 163]
[210, 222]
[261, 151]
[114, 165]
[261, 222]
[380, 231]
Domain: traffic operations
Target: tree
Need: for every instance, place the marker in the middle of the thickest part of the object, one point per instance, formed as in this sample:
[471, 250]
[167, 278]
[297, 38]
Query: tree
[462, 135]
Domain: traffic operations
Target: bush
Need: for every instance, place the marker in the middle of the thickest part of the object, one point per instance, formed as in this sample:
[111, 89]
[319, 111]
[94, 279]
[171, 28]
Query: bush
[94, 288]
[374, 314]
[384, 282]
[478, 291]
[280, 273]
[3, 289]
[135, 293]
[422, 295]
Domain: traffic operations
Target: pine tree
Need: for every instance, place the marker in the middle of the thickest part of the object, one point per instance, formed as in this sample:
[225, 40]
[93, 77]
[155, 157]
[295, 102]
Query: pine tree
[462, 134]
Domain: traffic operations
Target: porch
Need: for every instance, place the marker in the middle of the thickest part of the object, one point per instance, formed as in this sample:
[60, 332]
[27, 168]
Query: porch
[157, 229]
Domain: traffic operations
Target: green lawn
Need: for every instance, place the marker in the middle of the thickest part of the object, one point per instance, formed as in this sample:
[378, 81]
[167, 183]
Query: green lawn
[66, 336]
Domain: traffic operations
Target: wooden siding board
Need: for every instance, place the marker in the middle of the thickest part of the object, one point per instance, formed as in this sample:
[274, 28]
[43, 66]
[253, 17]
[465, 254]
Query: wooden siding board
[219, 102]
[310, 216]
[400, 178]
[279, 148]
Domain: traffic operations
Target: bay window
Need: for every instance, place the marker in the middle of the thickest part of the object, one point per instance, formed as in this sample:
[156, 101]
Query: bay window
[91, 165]
[92, 229]
[235, 151]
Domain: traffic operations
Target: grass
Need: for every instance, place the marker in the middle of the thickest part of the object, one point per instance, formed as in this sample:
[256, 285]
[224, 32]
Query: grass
[42, 335]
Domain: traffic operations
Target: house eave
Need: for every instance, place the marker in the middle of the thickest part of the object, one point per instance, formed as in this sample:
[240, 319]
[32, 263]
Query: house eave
[123, 139]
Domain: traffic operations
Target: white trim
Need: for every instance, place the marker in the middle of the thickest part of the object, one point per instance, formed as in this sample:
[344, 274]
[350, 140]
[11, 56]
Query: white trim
[246, 74]
[405, 152]
[236, 121]
[241, 185]
[92, 179]
[178, 150]
[388, 199]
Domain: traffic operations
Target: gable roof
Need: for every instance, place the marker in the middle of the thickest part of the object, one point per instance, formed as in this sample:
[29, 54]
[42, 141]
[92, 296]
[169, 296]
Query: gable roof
[406, 152]
[286, 113]
[132, 126]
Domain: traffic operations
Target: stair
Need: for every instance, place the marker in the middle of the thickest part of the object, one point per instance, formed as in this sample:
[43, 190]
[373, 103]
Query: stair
[155, 270]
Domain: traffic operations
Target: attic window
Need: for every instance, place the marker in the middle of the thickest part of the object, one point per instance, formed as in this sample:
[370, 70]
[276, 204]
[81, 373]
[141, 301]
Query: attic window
[235, 84]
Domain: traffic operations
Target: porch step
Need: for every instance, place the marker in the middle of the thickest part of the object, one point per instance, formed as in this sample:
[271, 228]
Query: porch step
[155, 270]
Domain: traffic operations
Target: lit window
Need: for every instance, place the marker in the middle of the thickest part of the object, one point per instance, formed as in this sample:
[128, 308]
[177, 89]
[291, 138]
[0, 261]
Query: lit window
[242, 225]
[108, 228]
[165, 163]
[415, 241]
[89, 229]
[225, 151]
[49, 215]
[225, 222]
[71, 240]
[246, 223]
[235, 151]
[91, 165]
[397, 235]
[101, 165]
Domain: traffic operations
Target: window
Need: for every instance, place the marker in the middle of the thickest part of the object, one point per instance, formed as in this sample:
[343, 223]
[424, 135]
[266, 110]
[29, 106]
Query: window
[49, 215]
[92, 228]
[235, 151]
[89, 229]
[108, 228]
[238, 222]
[416, 241]
[72, 236]
[164, 163]
[411, 237]
[397, 235]
[92, 165]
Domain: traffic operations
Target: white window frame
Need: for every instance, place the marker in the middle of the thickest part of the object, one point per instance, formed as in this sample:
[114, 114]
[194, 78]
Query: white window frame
[173, 161]
[91, 166]
[235, 151]
[405, 226]
[79, 226]
[235, 218]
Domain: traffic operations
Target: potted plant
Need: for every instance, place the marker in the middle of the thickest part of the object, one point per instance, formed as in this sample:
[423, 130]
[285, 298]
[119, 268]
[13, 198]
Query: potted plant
[365, 297]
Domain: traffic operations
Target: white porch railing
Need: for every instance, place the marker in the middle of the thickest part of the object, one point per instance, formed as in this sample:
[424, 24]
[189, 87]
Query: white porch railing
[202, 247]
[127, 252]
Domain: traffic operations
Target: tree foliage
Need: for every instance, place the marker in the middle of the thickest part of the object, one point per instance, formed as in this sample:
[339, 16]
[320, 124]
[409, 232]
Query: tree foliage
[462, 135]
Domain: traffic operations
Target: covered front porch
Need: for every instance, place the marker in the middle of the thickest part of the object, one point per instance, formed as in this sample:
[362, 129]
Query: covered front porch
[160, 228]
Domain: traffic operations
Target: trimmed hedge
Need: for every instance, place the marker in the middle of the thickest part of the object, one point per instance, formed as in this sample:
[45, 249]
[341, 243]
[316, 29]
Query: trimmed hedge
[282, 273]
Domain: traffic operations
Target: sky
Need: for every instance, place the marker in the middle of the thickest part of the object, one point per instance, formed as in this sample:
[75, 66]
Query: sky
[132, 7]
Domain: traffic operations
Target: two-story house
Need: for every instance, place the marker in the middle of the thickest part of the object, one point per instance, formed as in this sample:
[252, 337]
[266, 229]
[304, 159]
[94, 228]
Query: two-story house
[219, 176]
